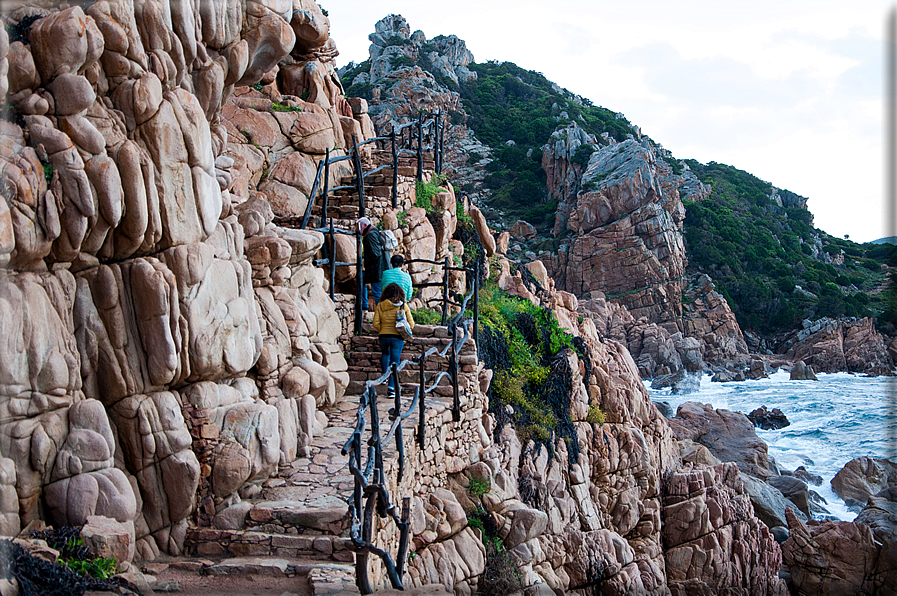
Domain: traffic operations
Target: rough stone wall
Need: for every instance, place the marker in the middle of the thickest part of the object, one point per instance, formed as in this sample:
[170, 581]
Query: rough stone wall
[166, 346]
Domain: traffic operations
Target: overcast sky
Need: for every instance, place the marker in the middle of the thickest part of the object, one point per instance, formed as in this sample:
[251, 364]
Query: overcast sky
[791, 91]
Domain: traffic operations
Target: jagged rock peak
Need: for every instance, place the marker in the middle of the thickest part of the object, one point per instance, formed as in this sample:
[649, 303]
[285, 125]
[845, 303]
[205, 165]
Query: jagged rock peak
[394, 47]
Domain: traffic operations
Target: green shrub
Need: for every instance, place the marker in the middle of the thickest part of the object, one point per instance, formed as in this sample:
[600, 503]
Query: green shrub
[424, 193]
[279, 107]
[426, 316]
[595, 415]
[478, 487]
[97, 568]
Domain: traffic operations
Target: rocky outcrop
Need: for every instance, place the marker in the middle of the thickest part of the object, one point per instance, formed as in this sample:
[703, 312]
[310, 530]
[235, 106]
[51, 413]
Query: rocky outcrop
[730, 436]
[863, 477]
[406, 74]
[707, 316]
[830, 557]
[801, 371]
[768, 419]
[628, 244]
[834, 345]
[714, 543]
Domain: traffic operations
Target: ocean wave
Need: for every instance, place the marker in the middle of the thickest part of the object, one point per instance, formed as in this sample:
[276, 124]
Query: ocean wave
[833, 420]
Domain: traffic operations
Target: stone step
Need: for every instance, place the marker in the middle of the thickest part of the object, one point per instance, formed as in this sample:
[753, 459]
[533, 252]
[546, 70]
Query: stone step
[302, 511]
[230, 544]
[333, 580]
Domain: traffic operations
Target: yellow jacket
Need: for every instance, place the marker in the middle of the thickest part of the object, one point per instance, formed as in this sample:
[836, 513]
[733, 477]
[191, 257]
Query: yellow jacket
[385, 317]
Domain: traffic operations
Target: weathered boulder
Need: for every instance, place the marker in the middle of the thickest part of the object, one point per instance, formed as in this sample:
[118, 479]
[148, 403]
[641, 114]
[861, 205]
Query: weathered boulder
[863, 477]
[831, 557]
[730, 436]
[833, 345]
[801, 371]
[713, 542]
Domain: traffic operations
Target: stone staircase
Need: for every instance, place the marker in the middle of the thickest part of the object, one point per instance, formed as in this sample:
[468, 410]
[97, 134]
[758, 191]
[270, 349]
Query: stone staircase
[297, 521]
[343, 204]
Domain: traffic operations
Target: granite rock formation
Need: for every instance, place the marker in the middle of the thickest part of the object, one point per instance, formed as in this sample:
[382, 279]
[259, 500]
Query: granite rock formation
[167, 345]
[834, 345]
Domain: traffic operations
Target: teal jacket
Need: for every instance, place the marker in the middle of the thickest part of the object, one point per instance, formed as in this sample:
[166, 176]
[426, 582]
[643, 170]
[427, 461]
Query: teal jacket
[397, 276]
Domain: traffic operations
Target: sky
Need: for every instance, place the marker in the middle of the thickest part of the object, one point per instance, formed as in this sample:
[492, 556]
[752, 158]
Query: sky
[788, 90]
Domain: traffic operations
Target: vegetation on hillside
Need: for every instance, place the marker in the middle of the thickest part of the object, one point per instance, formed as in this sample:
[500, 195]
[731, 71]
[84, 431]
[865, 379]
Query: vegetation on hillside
[766, 259]
[506, 103]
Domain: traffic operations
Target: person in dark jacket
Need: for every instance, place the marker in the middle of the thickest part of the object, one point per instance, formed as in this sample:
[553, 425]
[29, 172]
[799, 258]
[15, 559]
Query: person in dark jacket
[376, 259]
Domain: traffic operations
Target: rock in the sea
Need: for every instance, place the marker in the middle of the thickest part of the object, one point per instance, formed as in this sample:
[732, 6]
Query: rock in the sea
[833, 558]
[796, 491]
[768, 501]
[808, 477]
[727, 376]
[802, 372]
[862, 478]
[768, 419]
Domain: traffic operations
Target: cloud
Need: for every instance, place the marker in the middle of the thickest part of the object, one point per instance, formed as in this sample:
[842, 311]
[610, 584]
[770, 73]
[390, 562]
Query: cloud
[578, 40]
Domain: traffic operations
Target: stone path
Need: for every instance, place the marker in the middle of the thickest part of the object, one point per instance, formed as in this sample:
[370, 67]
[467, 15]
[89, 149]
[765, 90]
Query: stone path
[299, 518]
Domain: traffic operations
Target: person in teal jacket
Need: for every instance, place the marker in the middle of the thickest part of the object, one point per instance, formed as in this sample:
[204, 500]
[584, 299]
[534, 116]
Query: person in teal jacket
[397, 276]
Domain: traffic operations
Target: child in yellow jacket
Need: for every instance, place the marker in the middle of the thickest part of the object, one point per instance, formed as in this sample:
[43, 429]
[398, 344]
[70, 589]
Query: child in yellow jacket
[391, 343]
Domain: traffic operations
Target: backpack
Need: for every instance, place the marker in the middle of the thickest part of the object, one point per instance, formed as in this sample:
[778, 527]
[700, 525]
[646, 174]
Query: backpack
[390, 242]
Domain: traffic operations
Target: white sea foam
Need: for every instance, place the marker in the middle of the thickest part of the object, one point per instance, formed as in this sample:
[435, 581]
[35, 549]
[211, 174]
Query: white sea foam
[833, 420]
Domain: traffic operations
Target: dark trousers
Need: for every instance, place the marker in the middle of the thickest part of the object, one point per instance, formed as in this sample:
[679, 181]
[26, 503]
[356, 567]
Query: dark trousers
[390, 353]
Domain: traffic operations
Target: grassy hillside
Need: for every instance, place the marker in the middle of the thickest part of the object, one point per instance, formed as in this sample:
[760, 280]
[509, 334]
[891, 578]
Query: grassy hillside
[507, 103]
[766, 259]
[772, 265]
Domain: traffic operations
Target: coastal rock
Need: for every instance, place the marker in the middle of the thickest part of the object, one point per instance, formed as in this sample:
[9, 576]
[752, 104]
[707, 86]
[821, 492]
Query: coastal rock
[768, 501]
[802, 372]
[713, 542]
[863, 477]
[628, 242]
[768, 419]
[707, 317]
[831, 558]
[729, 436]
[833, 345]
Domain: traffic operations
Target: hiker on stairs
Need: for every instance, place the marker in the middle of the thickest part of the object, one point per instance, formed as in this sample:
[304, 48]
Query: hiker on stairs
[376, 260]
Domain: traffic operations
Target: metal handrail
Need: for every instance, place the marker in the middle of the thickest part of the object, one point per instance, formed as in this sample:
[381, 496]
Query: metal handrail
[436, 123]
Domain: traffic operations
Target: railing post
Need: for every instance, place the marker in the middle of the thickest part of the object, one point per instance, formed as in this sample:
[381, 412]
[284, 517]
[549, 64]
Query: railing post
[326, 186]
[396, 412]
[359, 176]
[332, 255]
[359, 276]
[476, 302]
[453, 373]
[311, 197]
[395, 170]
[420, 146]
[375, 436]
[445, 290]
[404, 528]
[421, 401]
[437, 142]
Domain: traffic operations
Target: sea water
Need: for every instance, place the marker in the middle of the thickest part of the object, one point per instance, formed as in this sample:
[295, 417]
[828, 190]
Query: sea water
[833, 420]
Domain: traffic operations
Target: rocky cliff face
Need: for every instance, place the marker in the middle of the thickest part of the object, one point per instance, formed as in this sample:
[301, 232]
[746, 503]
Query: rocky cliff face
[625, 214]
[405, 74]
[166, 345]
[834, 345]
[626, 223]
[627, 491]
